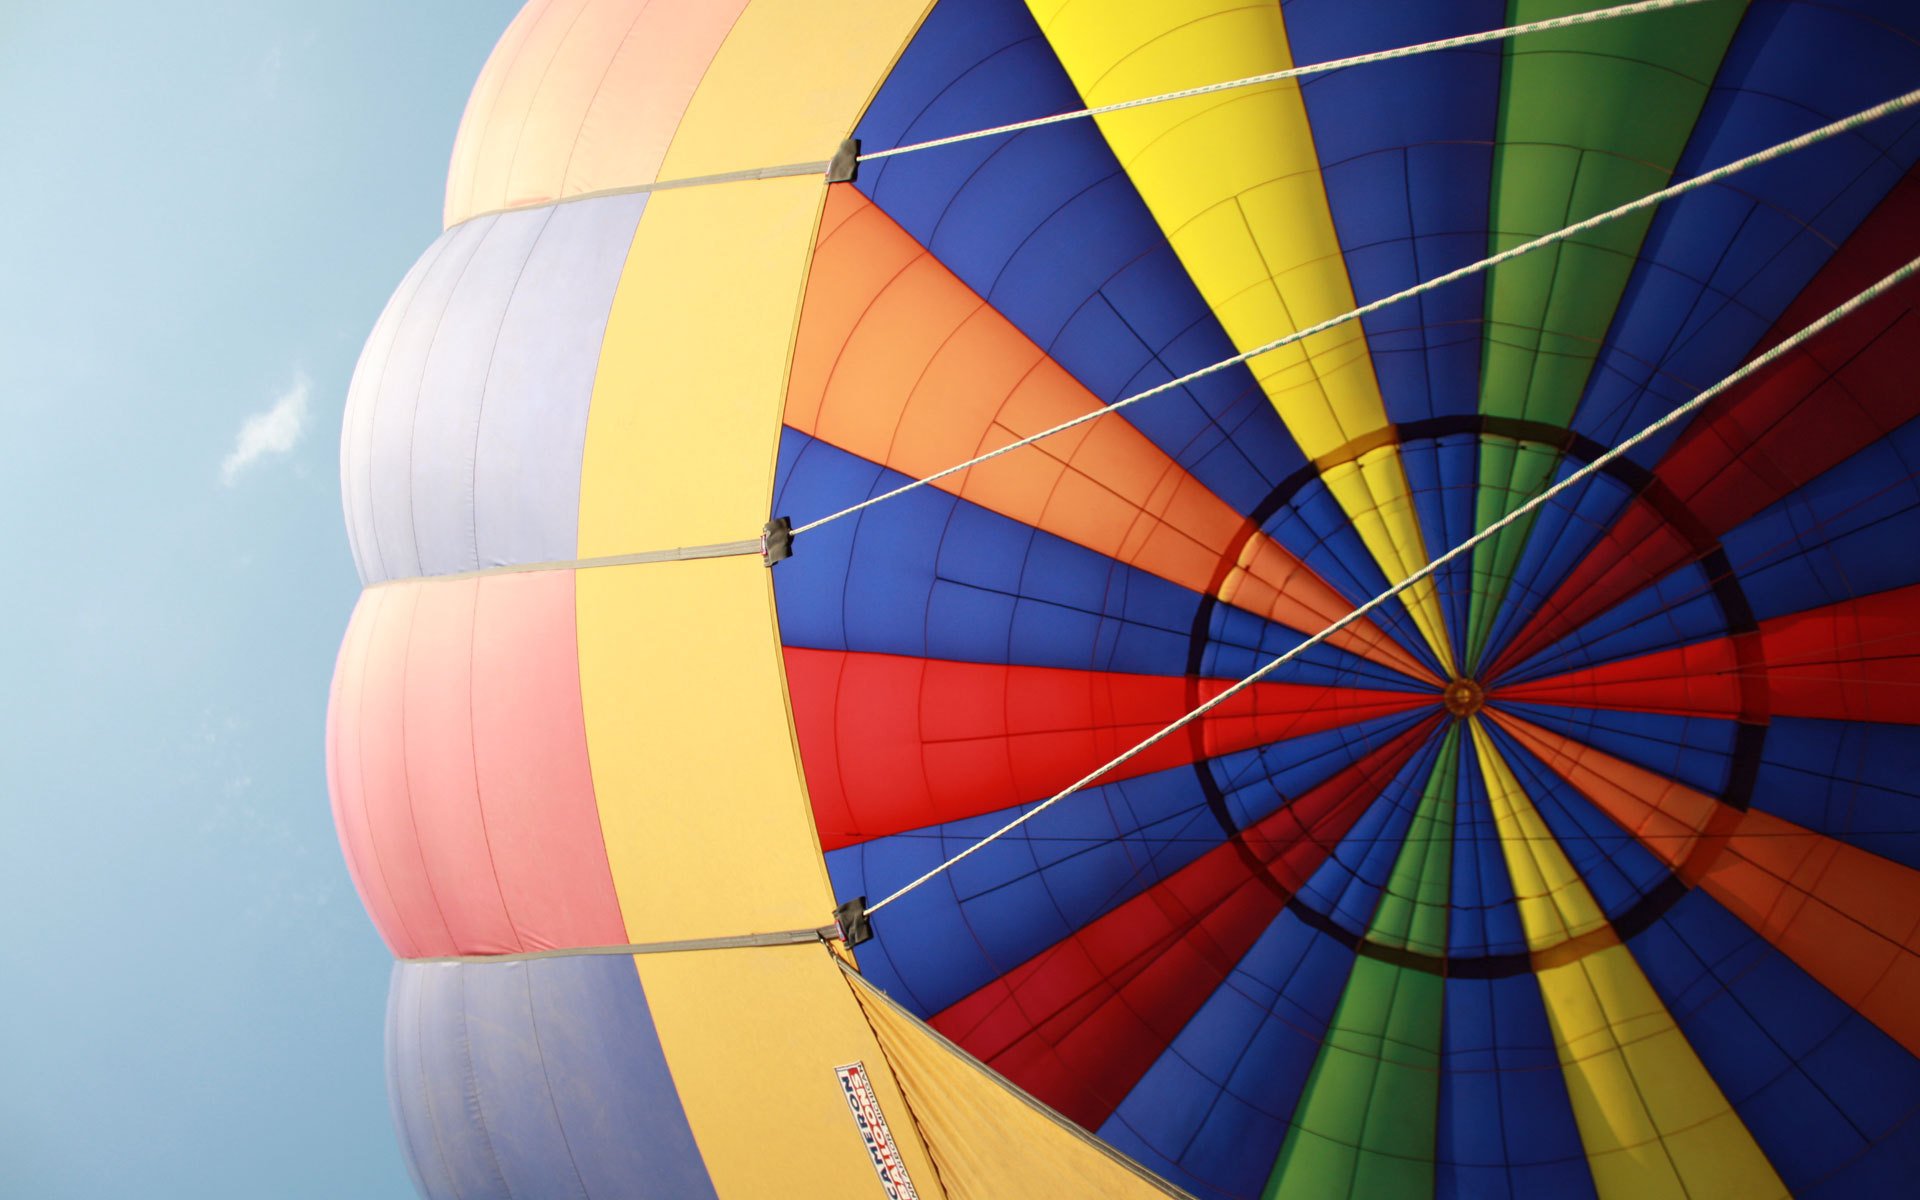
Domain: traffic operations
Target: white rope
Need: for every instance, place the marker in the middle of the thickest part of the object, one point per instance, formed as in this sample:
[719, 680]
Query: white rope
[1358, 60]
[1809, 138]
[1755, 364]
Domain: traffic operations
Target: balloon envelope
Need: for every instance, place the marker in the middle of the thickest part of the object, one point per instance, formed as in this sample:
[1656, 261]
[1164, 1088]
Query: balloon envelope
[1587, 865]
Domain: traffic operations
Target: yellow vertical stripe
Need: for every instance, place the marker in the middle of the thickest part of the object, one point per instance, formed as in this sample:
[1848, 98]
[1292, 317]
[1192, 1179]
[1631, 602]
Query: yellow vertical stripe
[1233, 180]
[702, 802]
[1651, 1119]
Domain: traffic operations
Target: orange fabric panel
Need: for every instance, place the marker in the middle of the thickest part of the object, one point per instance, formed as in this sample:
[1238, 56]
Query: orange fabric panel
[1849, 918]
[580, 96]
[900, 362]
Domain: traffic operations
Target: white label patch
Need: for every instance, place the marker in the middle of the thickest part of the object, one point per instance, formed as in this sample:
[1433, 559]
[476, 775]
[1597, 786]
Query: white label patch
[874, 1132]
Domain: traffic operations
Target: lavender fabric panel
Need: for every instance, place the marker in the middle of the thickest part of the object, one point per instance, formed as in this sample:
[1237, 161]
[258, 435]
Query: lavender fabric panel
[356, 426]
[378, 472]
[467, 414]
[533, 426]
[446, 417]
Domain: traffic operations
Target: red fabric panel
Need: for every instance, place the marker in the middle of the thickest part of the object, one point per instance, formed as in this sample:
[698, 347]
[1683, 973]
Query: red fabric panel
[1696, 680]
[940, 740]
[458, 762]
[1857, 660]
[1772, 435]
[530, 756]
[1078, 1024]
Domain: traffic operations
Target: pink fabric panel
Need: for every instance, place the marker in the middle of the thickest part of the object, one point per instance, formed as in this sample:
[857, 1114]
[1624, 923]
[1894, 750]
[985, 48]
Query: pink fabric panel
[345, 778]
[441, 782]
[457, 757]
[530, 753]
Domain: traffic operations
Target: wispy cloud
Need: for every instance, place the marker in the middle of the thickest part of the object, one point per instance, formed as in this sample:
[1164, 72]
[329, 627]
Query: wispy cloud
[275, 431]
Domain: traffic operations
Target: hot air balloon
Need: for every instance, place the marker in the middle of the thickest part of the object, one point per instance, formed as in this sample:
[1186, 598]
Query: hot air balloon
[739, 837]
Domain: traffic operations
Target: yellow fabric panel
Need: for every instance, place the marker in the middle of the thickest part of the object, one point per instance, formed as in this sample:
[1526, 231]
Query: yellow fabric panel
[752, 1038]
[1372, 489]
[990, 1140]
[1652, 1121]
[686, 406]
[1555, 906]
[1234, 181]
[789, 83]
[701, 799]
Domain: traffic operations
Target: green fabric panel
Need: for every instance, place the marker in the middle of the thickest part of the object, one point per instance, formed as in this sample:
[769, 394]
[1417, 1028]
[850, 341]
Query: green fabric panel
[1511, 473]
[1413, 912]
[1590, 117]
[1365, 1124]
[1366, 1121]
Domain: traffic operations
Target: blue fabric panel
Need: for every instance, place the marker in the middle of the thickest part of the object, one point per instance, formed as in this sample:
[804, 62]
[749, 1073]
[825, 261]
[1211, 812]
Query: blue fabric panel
[1679, 326]
[1696, 751]
[1348, 885]
[1319, 533]
[1077, 860]
[1506, 1126]
[931, 575]
[1850, 532]
[1407, 182]
[1212, 1112]
[1482, 918]
[1616, 868]
[1441, 474]
[468, 413]
[1314, 527]
[1850, 780]
[1047, 228]
[1027, 891]
[934, 576]
[1564, 532]
[1260, 781]
[536, 1079]
[1816, 1083]
[1239, 643]
[1677, 610]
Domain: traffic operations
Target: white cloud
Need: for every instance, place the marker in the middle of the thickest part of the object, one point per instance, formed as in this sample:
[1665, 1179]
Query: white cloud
[275, 431]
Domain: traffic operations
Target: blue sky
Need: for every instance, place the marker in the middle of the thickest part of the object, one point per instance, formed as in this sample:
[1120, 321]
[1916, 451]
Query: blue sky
[205, 206]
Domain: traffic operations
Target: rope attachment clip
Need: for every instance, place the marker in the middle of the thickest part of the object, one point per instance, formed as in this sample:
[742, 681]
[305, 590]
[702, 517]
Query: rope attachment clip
[844, 166]
[852, 922]
[776, 540]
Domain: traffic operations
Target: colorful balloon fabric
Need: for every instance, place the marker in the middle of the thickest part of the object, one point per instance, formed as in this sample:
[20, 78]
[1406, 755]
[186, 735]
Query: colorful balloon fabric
[1588, 865]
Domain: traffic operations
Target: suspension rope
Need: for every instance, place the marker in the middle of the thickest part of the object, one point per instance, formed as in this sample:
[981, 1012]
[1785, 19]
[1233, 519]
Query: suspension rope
[1358, 60]
[1833, 129]
[1757, 363]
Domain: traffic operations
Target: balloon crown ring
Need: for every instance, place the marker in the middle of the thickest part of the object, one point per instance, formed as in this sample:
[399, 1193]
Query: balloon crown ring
[1463, 697]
